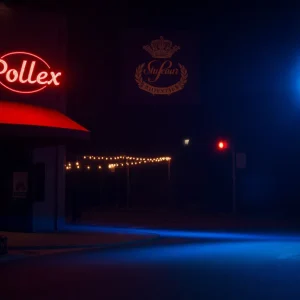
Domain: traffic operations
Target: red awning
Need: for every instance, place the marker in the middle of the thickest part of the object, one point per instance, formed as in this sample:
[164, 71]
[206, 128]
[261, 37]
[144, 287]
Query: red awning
[30, 116]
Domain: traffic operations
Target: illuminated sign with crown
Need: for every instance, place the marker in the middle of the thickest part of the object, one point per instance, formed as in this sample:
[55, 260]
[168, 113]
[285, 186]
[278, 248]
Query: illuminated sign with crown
[161, 48]
[158, 75]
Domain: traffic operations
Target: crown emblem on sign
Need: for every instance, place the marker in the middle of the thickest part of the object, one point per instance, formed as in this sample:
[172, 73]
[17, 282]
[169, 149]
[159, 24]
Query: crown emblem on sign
[161, 48]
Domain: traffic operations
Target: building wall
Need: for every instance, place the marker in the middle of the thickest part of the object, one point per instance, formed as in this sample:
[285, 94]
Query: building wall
[48, 212]
[44, 35]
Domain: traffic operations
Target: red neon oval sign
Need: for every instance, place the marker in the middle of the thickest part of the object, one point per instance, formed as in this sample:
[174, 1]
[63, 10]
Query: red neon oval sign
[26, 73]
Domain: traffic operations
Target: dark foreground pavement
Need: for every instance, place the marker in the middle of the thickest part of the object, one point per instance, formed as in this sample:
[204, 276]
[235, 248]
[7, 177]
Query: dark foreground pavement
[73, 238]
[174, 267]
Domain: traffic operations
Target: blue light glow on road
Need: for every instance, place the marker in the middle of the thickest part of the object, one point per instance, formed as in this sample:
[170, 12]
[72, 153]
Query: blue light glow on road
[182, 233]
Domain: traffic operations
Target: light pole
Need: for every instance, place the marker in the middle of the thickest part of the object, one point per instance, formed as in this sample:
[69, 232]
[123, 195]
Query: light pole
[224, 145]
[233, 179]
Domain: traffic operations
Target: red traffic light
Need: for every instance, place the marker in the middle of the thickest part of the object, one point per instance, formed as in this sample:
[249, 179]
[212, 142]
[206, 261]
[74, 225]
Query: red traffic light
[222, 145]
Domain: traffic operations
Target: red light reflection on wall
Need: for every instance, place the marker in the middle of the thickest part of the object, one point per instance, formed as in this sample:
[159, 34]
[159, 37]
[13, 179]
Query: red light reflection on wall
[23, 69]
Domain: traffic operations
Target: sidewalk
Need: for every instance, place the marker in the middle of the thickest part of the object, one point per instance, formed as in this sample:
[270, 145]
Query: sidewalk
[22, 245]
[184, 221]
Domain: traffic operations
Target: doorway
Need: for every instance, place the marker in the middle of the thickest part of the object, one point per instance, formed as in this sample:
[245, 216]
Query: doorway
[15, 200]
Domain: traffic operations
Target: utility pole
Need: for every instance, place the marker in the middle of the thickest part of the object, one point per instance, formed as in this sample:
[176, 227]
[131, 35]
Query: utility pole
[233, 180]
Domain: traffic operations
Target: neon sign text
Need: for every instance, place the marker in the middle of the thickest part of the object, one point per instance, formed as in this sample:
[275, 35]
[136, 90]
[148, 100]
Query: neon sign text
[29, 73]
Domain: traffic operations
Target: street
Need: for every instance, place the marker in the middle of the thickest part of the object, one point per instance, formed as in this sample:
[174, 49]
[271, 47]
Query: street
[170, 268]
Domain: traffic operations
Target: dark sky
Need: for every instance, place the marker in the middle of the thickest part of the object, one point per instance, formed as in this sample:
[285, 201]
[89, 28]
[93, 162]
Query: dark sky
[249, 68]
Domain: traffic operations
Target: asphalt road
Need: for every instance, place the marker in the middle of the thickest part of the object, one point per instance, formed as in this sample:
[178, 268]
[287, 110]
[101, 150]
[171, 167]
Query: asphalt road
[172, 268]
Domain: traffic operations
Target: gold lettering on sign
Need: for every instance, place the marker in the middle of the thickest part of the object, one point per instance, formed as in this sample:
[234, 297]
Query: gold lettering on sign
[149, 75]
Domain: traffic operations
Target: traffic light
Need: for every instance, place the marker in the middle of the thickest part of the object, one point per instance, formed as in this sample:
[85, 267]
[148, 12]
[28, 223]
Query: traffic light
[222, 145]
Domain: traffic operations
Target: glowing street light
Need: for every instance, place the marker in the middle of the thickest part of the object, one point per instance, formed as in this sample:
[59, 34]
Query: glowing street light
[186, 142]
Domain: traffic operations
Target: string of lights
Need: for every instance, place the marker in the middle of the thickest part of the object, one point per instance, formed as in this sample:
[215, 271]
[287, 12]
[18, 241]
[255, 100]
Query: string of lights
[113, 162]
[124, 157]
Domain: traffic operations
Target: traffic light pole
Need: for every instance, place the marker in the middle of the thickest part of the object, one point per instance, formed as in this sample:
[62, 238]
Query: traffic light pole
[233, 180]
[223, 145]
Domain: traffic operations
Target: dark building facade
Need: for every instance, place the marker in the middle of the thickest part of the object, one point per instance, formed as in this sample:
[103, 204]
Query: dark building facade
[241, 84]
[33, 126]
